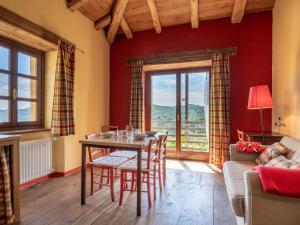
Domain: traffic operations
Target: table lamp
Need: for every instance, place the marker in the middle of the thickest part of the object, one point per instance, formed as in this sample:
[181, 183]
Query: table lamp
[260, 98]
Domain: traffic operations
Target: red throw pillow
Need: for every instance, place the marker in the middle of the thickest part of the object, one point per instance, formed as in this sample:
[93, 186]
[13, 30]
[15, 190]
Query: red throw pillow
[280, 180]
[250, 147]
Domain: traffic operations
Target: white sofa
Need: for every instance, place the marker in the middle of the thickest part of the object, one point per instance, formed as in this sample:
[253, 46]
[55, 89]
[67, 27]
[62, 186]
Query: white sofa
[250, 204]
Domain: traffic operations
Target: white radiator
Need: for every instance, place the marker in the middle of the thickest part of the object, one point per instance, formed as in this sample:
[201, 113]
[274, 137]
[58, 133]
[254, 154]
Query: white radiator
[35, 159]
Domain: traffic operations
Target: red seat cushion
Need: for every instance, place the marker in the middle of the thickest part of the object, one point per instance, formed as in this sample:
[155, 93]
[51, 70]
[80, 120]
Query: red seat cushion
[280, 180]
[250, 147]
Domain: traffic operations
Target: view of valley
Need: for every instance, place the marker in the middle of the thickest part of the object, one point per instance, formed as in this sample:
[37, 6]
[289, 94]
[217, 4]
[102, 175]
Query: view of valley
[194, 108]
[193, 133]
[23, 115]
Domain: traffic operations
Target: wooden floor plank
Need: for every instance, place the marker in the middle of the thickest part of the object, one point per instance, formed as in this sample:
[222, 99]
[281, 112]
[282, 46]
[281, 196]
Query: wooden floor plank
[211, 176]
[171, 210]
[34, 206]
[194, 195]
[198, 207]
[222, 211]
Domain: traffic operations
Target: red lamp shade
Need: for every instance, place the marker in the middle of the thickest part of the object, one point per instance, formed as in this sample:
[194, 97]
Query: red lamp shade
[259, 97]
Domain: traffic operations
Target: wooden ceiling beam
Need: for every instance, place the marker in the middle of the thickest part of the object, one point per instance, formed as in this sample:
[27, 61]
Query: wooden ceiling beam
[116, 20]
[73, 5]
[195, 13]
[103, 22]
[238, 11]
[154, 14]
[126, 28]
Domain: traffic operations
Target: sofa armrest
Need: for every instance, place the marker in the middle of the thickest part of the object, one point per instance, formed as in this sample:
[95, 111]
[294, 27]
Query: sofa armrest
[262, 208]
[235, 155]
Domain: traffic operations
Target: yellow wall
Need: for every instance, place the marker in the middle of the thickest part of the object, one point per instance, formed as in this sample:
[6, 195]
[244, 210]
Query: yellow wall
[91, 98]
[286, 65]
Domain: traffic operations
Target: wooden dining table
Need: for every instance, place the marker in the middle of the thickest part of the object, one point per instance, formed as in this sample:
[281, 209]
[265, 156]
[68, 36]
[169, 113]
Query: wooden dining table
[114, 143]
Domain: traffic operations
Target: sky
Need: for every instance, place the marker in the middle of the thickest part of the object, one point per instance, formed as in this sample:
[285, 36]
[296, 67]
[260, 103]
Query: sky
[164, 89]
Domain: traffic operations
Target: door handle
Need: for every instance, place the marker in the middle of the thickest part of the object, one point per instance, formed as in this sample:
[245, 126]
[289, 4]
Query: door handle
[14, 94]
[178, 117]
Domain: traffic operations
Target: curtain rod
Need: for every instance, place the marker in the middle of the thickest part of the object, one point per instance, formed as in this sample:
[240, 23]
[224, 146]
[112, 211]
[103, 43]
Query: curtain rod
[200, 54]
[82, 51]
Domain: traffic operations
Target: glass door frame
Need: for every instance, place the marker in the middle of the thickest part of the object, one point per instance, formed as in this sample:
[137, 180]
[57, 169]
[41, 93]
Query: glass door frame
[178, 153]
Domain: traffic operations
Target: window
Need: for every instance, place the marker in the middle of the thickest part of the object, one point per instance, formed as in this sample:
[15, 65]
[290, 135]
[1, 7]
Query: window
[21, 86]
[177, 101]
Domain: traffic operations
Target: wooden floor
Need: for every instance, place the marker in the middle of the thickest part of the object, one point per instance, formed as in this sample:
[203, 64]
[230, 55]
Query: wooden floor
[194, 195]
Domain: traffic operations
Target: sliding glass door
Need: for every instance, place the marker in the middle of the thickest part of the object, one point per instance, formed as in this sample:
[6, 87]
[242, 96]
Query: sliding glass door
[179, 104]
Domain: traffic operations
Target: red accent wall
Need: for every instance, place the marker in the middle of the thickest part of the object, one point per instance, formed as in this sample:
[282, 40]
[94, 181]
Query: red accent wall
[251, 66]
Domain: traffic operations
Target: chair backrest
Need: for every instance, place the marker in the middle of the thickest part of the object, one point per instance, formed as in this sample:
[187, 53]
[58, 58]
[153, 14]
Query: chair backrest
[94, 152]
[162, 145]
[242, 136]
[129, 128]
[106, 128]
[153, 147]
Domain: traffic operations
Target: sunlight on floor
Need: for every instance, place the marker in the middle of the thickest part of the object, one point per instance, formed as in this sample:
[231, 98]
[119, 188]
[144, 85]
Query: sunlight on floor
[174, 164]
[194, 166]
[209, 168]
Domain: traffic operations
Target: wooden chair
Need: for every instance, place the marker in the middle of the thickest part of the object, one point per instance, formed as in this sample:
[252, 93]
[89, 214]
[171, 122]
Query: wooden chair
[160, 160]
[123, 153]
[242, 136]
[116, 152]
[106, 128]
[148, 170]
[106, 165]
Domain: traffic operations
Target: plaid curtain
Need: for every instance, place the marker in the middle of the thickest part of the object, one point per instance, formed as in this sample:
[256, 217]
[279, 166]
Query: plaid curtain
[62, 123]
[137, 96]
[6, 213]
[219, 133]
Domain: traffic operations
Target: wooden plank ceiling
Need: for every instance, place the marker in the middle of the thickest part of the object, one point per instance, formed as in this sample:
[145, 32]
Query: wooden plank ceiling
[127, 16]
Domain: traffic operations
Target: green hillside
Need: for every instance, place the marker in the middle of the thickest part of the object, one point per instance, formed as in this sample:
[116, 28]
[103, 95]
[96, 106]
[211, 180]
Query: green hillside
[196, 140]
[196, 112]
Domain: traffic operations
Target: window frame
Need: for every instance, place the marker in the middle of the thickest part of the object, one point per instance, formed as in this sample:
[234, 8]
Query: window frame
[14, 48]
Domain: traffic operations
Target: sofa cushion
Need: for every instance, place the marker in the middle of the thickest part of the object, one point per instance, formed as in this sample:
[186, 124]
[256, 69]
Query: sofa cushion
[293, 146]
[280, 162]
[296, 165]
[271, 152]
[234, 179]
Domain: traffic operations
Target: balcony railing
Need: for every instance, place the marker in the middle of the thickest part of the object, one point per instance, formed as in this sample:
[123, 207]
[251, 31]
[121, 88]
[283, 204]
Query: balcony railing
[193, 134]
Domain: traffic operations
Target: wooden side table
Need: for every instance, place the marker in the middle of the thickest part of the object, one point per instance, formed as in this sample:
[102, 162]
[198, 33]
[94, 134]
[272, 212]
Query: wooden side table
[269, 138]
